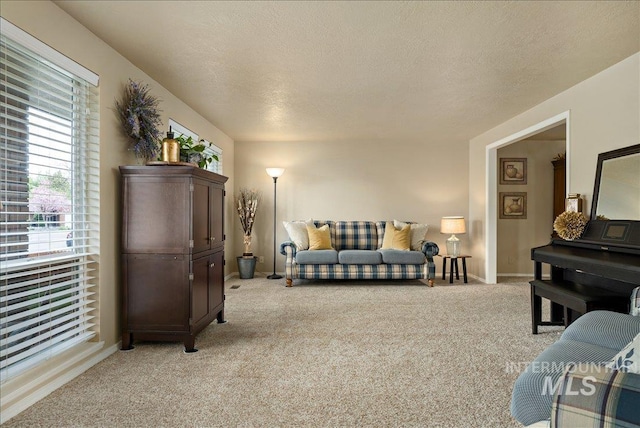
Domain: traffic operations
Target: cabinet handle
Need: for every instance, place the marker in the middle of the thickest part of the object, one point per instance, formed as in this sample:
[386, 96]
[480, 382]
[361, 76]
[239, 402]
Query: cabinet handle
[211, 238]
[212, 265]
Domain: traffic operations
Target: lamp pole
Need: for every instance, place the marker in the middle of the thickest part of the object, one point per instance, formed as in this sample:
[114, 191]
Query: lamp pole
[274, 173]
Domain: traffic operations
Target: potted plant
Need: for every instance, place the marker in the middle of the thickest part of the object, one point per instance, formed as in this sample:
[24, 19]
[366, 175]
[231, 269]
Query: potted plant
[193, 152]
[247, 206]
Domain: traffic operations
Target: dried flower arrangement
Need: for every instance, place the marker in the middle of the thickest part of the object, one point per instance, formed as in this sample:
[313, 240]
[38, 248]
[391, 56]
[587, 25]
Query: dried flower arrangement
[247, 205]
[570, 224]
[140, 118]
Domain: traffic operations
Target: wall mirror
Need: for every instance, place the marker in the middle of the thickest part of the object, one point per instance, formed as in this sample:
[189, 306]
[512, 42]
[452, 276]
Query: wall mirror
[616, 194]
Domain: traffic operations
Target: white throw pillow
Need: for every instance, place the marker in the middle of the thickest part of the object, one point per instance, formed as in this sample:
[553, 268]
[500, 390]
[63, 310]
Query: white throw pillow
[297, 231]
[635, 302]
[418, 233]
[628, 360]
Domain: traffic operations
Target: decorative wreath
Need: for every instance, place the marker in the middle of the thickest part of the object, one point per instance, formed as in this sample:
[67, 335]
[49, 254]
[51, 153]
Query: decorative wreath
[140, 119]
[569, 225]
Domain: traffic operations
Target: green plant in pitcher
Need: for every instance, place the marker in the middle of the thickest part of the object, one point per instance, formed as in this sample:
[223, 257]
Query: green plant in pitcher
[195, 152]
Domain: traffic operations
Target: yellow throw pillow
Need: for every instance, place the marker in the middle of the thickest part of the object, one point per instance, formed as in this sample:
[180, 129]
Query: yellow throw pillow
[319, 238]
[396, 239]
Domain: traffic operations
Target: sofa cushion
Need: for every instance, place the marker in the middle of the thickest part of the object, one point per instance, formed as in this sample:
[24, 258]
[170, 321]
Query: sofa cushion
[396, 239]
[635, 302]
[588, 396]
[332, 229]
[359, 257]
[611, 330]
[595, 337]
[297, 231]
[319, 238]
[628, 360]
[402, 257]
[317, 257]
[418, 233]
[533, 390]
[356, 235]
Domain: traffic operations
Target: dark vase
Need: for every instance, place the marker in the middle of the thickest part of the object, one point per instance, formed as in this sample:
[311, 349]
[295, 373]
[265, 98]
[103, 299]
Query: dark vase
[246, 266]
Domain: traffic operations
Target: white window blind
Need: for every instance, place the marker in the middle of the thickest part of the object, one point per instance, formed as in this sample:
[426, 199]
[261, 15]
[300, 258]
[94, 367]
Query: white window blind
[215, 165]
[49, 236]
[212, 149]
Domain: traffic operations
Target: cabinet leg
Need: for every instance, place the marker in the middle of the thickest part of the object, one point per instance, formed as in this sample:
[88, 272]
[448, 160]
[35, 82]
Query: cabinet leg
[220, 317]
[127, 340]
[190, 345]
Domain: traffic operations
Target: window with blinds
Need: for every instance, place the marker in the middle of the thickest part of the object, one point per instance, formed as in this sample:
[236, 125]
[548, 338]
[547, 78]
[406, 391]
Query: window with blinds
[211, 149]
[49, 236]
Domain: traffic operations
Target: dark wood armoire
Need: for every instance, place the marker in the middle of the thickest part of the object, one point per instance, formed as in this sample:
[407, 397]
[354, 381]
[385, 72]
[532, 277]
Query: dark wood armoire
[172, 252]
[559, 186]
[559, 189]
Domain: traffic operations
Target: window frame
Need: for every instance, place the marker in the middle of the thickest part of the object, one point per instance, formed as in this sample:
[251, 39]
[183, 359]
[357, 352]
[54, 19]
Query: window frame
[46, 299]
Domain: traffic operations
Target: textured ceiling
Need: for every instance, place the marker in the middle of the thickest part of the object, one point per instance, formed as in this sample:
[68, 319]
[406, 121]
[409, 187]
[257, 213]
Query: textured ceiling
[433, 71]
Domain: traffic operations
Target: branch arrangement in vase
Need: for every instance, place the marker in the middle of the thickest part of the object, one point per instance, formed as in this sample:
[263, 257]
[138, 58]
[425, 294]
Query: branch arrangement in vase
[247, 206]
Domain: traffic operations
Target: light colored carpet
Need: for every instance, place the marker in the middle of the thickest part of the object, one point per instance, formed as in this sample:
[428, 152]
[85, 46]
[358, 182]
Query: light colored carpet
[320, 354]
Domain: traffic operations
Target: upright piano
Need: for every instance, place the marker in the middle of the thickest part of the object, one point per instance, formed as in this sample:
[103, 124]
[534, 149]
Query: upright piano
[601, 268]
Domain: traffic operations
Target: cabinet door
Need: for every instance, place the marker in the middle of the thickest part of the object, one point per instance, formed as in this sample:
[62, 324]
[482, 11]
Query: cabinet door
[216, 284]
[207, 289]
[208, 222]
[155, 215]
[156, 292]
[200, 293]
[217, 215]
[202, 203]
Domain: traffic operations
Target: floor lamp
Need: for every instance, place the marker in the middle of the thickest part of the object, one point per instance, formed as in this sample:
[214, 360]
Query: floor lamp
[274, 173]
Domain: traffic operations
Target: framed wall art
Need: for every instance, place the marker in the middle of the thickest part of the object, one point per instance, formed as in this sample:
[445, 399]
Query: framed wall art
[513, 205]
[513, 170]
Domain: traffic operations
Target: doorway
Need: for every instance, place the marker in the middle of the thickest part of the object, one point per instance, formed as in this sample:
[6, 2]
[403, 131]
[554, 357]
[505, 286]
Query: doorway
[492, 214]
[528, 198]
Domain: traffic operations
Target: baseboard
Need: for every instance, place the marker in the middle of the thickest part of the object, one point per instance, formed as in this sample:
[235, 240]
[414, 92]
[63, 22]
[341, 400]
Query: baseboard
[484, 281]
[259, 273]
[477, 278]
[24, 396]
[529, 275]
[523, 275]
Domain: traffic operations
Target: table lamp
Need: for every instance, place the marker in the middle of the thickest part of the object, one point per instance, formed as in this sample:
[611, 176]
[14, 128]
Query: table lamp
[453, 225]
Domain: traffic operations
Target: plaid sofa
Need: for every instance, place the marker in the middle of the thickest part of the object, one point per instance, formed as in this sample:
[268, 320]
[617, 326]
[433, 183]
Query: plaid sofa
[358, 240]
[591, 395]
[540, 392]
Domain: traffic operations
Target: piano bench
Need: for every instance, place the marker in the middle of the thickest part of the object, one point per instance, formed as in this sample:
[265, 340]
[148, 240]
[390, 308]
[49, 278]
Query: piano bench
[576, 300]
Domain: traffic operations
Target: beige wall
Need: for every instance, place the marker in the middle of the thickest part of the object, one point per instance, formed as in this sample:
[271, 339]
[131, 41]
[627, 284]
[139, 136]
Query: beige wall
[54, 27]
[356, 180]
[515, 238]
[604, 115]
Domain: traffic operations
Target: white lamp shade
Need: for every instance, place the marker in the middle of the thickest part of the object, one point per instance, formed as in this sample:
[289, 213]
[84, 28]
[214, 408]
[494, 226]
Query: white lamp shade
[453, 224]
[275, 172]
